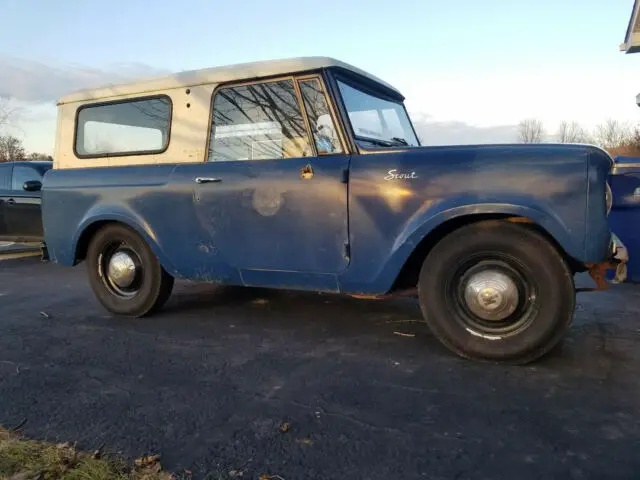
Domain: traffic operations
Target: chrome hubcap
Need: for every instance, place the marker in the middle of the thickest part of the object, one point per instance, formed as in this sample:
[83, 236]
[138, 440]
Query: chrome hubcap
[491, 295]
[121, 269]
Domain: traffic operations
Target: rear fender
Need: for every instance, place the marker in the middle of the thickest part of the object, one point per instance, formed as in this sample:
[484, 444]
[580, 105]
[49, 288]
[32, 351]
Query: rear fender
[113, 213]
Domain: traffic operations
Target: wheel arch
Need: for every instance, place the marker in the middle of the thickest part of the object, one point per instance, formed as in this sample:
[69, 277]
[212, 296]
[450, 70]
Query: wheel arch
[90, 227]
[84, 239]
[409, 273]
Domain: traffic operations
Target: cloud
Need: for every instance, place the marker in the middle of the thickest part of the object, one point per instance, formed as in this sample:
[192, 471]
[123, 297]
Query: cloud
[36, 82]
[433, 132]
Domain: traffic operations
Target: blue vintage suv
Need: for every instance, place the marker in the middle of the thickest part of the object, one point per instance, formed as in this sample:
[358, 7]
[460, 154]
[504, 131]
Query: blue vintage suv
[307, 174]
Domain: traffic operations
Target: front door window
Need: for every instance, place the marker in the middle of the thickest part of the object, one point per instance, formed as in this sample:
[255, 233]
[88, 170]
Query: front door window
[258, 122]
[324, 131]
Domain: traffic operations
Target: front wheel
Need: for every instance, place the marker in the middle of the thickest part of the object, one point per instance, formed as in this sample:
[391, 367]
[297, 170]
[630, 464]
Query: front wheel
[124, 274]
[497, 291]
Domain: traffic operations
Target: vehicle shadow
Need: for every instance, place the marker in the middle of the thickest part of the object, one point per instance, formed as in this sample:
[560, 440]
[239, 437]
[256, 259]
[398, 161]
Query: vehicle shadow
[190, 297]
[592, 346]
[287, 308]
[307, 316]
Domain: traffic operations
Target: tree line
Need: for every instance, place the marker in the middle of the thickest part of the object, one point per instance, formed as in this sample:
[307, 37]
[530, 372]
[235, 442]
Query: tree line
[11, 147]
[618, 138]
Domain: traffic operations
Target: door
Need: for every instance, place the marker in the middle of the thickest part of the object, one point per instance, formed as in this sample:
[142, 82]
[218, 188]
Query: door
[273, 194]
[5, 195]
[22, 209]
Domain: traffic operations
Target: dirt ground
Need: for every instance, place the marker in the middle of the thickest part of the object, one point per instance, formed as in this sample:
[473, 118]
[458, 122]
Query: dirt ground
[367, 392]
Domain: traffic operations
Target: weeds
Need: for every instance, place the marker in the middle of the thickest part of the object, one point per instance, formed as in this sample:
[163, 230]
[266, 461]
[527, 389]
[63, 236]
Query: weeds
[22, 459]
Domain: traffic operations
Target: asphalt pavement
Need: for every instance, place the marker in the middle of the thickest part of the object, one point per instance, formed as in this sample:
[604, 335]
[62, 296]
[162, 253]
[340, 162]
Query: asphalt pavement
[367, 391]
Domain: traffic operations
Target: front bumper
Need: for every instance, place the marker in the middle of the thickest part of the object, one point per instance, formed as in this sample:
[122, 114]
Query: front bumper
[617, 261]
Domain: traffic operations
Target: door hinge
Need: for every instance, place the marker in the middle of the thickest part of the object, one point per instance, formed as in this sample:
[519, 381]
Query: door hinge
[347, 251]
[345, 175]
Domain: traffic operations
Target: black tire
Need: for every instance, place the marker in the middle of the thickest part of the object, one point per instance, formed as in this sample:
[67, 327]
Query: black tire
[544, 284]
[152, 285]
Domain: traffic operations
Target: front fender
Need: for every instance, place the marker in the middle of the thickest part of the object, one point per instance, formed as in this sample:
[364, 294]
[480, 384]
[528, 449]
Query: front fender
[419, 227]
[427, 220]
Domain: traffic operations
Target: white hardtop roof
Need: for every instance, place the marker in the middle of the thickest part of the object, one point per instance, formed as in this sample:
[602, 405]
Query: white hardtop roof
[218, 75]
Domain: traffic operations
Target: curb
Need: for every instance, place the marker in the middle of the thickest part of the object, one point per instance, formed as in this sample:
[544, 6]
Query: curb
[18, 250]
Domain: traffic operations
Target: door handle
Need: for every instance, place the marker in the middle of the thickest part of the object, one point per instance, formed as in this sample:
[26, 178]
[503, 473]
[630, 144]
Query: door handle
[207, 180]
[11, 201]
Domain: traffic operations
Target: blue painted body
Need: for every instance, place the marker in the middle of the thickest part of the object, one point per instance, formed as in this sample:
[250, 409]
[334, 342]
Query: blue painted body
[263, 225]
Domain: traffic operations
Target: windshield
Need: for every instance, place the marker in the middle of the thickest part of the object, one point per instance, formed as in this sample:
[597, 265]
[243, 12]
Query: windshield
[376, 120]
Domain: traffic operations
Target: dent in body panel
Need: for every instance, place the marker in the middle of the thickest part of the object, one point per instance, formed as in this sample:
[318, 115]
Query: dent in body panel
[266, 200]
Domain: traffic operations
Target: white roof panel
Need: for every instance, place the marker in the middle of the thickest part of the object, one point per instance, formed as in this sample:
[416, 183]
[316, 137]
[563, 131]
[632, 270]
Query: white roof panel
[217, 75]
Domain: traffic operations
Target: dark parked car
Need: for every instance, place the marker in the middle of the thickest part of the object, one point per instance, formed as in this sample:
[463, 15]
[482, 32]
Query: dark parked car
[20, 198]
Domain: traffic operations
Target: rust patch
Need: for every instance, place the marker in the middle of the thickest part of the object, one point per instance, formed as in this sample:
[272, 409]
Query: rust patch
[306, 173]
[519, 220]
[366, 297]
[598, 273]
[618, 263]
[207, 248]
[409, 292]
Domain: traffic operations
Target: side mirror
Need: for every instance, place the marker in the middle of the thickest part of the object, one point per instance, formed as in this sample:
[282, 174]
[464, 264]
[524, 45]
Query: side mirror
[32, 186]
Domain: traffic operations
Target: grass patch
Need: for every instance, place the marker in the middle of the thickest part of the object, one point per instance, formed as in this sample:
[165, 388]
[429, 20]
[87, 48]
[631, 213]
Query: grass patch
[22, 459]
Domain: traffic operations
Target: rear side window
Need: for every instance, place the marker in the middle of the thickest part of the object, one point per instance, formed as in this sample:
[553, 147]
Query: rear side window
[258, 122]
[139, 126]
[23, 174]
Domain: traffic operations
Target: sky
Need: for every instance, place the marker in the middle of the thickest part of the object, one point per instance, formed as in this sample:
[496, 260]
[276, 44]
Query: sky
[470, 70]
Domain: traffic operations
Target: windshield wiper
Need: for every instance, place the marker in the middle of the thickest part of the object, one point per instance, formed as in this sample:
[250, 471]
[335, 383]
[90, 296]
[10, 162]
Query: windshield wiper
[399, 140]
[394, 142]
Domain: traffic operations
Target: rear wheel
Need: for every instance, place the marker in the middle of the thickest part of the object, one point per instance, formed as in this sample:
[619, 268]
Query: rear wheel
[124, 274]
[497, 291]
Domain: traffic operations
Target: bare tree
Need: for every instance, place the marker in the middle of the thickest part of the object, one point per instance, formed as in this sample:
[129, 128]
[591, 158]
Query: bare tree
[633, 142]
[572, 132]
[4, 111]
[11, 149]
[7, 112]
[39, 156]
[613, 134]
[530, 131]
